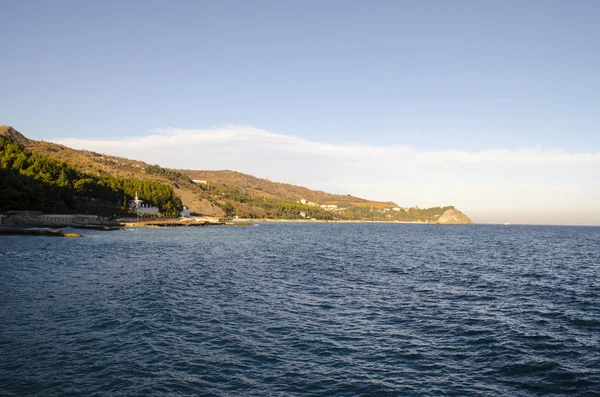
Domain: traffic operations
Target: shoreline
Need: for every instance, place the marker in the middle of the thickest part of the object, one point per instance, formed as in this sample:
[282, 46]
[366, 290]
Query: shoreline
[200, 221]
[333, 221]
[21, 231]
[247, 222]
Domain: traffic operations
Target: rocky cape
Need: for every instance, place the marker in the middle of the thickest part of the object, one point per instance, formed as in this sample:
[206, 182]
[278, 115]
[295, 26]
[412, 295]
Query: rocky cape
[454, 217]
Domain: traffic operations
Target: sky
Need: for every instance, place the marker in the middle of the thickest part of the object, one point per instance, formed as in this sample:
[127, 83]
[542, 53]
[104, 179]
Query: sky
[488, 106]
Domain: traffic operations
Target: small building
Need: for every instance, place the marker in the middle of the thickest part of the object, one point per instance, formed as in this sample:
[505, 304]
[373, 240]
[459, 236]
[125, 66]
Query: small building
[37, 218]
[185, 213]
[329, 206]
[142, 209]
[68, 219]
[147, 210]
[136, 202]
[199, 181]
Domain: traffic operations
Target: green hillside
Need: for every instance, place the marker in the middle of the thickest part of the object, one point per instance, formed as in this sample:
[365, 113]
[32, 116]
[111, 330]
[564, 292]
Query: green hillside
[30, 181]
[38, 175]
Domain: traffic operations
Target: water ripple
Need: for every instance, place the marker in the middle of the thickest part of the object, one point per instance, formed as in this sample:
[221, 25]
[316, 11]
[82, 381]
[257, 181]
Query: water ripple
[292, 309]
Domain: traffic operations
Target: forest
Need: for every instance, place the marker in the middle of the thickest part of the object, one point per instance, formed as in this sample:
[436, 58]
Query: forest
[35, 182]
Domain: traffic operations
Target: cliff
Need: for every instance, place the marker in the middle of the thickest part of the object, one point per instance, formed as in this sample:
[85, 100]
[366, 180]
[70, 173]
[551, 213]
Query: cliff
[454, 217]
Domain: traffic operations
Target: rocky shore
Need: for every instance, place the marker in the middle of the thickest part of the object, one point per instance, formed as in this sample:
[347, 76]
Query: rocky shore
[17, 231]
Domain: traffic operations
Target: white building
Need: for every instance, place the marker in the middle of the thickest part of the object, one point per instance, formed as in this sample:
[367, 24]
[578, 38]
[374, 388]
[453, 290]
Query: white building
[329, 206]
[147, 210]
[199, 181]
[142, 209]
[186, 213]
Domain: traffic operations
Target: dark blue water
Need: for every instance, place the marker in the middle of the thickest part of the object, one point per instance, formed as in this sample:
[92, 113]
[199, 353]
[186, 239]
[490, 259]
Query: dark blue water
[296, 309]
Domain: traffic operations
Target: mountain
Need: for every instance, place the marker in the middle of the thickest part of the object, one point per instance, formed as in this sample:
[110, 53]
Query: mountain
[230, 193]
[283, 191]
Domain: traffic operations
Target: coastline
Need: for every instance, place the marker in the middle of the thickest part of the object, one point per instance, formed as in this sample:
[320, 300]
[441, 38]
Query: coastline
[266, 220]
[19, 231]
[25, 225]
[246, 222]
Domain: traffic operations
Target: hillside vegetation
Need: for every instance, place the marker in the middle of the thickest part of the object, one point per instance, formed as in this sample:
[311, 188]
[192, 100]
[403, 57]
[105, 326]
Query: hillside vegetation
[30, 181]
[215, 193]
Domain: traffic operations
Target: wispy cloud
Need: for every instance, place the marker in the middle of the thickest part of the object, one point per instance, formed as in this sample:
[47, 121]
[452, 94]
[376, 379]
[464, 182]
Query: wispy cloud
[495, 184]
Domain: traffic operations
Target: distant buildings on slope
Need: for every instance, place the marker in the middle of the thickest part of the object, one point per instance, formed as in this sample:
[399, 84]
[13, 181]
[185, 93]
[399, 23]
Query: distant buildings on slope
[333, 207]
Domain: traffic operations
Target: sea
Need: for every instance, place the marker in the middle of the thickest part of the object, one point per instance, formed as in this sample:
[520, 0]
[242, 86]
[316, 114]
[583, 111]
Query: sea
[294, 309]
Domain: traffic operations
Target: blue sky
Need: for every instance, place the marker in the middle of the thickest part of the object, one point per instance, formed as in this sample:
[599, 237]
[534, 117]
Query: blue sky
[436, 76]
